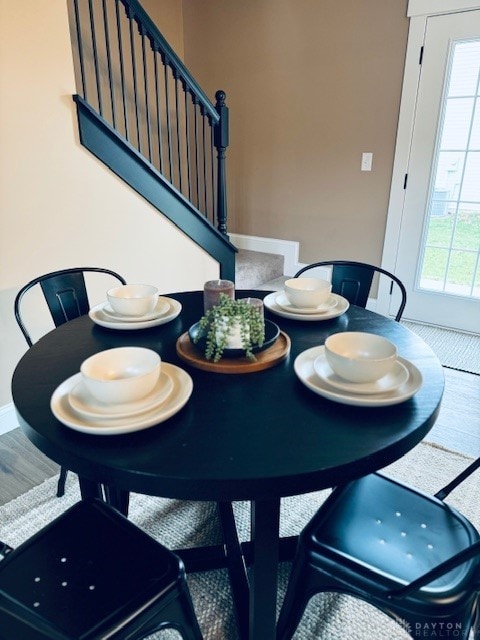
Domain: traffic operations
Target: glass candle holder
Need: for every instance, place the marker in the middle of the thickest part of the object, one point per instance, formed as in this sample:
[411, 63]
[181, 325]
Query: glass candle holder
[212, 290]
[256, 303]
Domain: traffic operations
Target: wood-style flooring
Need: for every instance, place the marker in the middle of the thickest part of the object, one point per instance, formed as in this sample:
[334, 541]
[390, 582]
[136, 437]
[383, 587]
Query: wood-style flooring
[22, 466]
[458, 424]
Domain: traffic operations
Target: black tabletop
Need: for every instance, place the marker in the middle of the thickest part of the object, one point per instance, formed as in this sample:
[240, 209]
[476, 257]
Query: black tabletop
[240, 436]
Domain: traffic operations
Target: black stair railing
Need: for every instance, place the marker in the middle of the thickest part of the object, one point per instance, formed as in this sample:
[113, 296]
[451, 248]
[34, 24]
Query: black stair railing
[131, 77]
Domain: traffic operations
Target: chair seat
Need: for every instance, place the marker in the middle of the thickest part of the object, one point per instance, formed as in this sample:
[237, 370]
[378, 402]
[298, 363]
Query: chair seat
[381, 535]
[405, 552]
[88, 575]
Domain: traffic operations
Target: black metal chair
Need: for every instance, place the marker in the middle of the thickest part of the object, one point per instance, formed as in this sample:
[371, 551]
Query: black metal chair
[353, 281]
[66, 295]
[407, 553]
[92, 574]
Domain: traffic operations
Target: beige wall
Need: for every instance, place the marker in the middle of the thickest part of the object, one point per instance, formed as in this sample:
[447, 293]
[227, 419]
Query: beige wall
[311, 84]
[168, 16]
[59, 206]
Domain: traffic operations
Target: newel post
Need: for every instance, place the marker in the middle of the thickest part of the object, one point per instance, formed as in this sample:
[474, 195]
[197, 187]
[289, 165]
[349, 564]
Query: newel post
[221, 144]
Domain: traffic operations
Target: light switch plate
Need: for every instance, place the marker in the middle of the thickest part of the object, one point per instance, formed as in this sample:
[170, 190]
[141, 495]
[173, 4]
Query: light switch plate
[367, 161]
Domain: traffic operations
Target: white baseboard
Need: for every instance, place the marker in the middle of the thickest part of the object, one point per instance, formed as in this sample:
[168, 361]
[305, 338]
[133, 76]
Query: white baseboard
[286, 248]
[8, 418]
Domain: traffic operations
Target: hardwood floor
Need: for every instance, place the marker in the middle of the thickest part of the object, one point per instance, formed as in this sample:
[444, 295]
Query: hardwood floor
[22, 466]
[458, 424]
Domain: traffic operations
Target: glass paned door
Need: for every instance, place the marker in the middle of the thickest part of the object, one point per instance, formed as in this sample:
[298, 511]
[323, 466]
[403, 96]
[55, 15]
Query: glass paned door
[438, 236]
[451, 248]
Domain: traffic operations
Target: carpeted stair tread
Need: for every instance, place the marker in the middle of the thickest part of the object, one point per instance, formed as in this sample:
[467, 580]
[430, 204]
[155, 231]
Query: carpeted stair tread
[253, 268]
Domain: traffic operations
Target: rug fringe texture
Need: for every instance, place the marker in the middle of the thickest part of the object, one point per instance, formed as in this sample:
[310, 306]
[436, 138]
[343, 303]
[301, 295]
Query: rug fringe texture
[178, 524]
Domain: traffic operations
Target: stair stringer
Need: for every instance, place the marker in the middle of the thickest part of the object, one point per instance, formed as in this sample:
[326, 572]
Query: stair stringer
[126, 162]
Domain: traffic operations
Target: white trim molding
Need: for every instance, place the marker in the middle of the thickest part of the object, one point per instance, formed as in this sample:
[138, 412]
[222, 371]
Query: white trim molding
[8, 418]
[436, 7]
[406, 118]
[418, 11]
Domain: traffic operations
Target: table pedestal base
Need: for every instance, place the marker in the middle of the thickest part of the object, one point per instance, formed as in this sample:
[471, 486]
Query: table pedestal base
[254, 594]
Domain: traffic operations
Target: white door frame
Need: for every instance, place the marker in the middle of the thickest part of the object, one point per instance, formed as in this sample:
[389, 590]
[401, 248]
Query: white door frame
[418, 12]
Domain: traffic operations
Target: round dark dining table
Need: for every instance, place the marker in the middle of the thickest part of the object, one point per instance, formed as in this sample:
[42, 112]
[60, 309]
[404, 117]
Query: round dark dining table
[256, 436]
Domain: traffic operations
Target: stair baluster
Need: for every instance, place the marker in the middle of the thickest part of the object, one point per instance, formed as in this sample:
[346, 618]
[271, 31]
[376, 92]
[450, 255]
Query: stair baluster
[120, 57]
[221, 143]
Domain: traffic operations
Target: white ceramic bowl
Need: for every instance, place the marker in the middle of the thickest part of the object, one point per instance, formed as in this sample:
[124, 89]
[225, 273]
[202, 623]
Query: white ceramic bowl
[307, 292]
[120, 375]
[133, 299]
[360, 357]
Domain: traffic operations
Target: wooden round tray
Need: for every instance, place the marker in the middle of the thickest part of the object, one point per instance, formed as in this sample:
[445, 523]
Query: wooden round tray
[188, 352]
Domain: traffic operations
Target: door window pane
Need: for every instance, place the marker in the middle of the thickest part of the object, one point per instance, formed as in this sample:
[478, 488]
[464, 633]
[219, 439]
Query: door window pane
[475, 139]
[471, 178]
[451, 244]
[456, 125]
[464, 70]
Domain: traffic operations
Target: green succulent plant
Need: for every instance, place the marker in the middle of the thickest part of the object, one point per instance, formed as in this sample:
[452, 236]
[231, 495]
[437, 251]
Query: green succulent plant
[216, 324]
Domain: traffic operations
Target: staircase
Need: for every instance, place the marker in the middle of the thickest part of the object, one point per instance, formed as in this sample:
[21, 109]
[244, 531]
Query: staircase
[142, 113]
[258, 270]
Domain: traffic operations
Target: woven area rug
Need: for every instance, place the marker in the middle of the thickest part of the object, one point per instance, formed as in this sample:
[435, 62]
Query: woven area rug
[182, 524]
[455, 349]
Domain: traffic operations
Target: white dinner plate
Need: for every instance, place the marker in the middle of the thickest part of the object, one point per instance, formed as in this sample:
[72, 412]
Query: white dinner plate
[161, 307]
[339, 309]
[98, 315]
[394, 379]
[181, 392]
[82, 401]
[282, 301]
[305, 371]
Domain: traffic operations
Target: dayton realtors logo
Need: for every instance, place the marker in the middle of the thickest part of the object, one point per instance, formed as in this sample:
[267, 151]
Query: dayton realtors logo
[447, 630]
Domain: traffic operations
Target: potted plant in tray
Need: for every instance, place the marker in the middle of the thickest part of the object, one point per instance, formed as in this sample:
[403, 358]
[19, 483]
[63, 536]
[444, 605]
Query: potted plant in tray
[231, 324]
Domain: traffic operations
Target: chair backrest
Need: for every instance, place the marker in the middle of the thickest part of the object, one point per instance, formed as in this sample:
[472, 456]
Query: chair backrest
[65, 293]
[353, 281]
[453, 484]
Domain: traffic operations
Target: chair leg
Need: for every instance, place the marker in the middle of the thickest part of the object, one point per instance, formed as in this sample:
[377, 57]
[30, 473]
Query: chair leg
[61, 482]
[177, 614]
[295, 601]
[182, 609]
